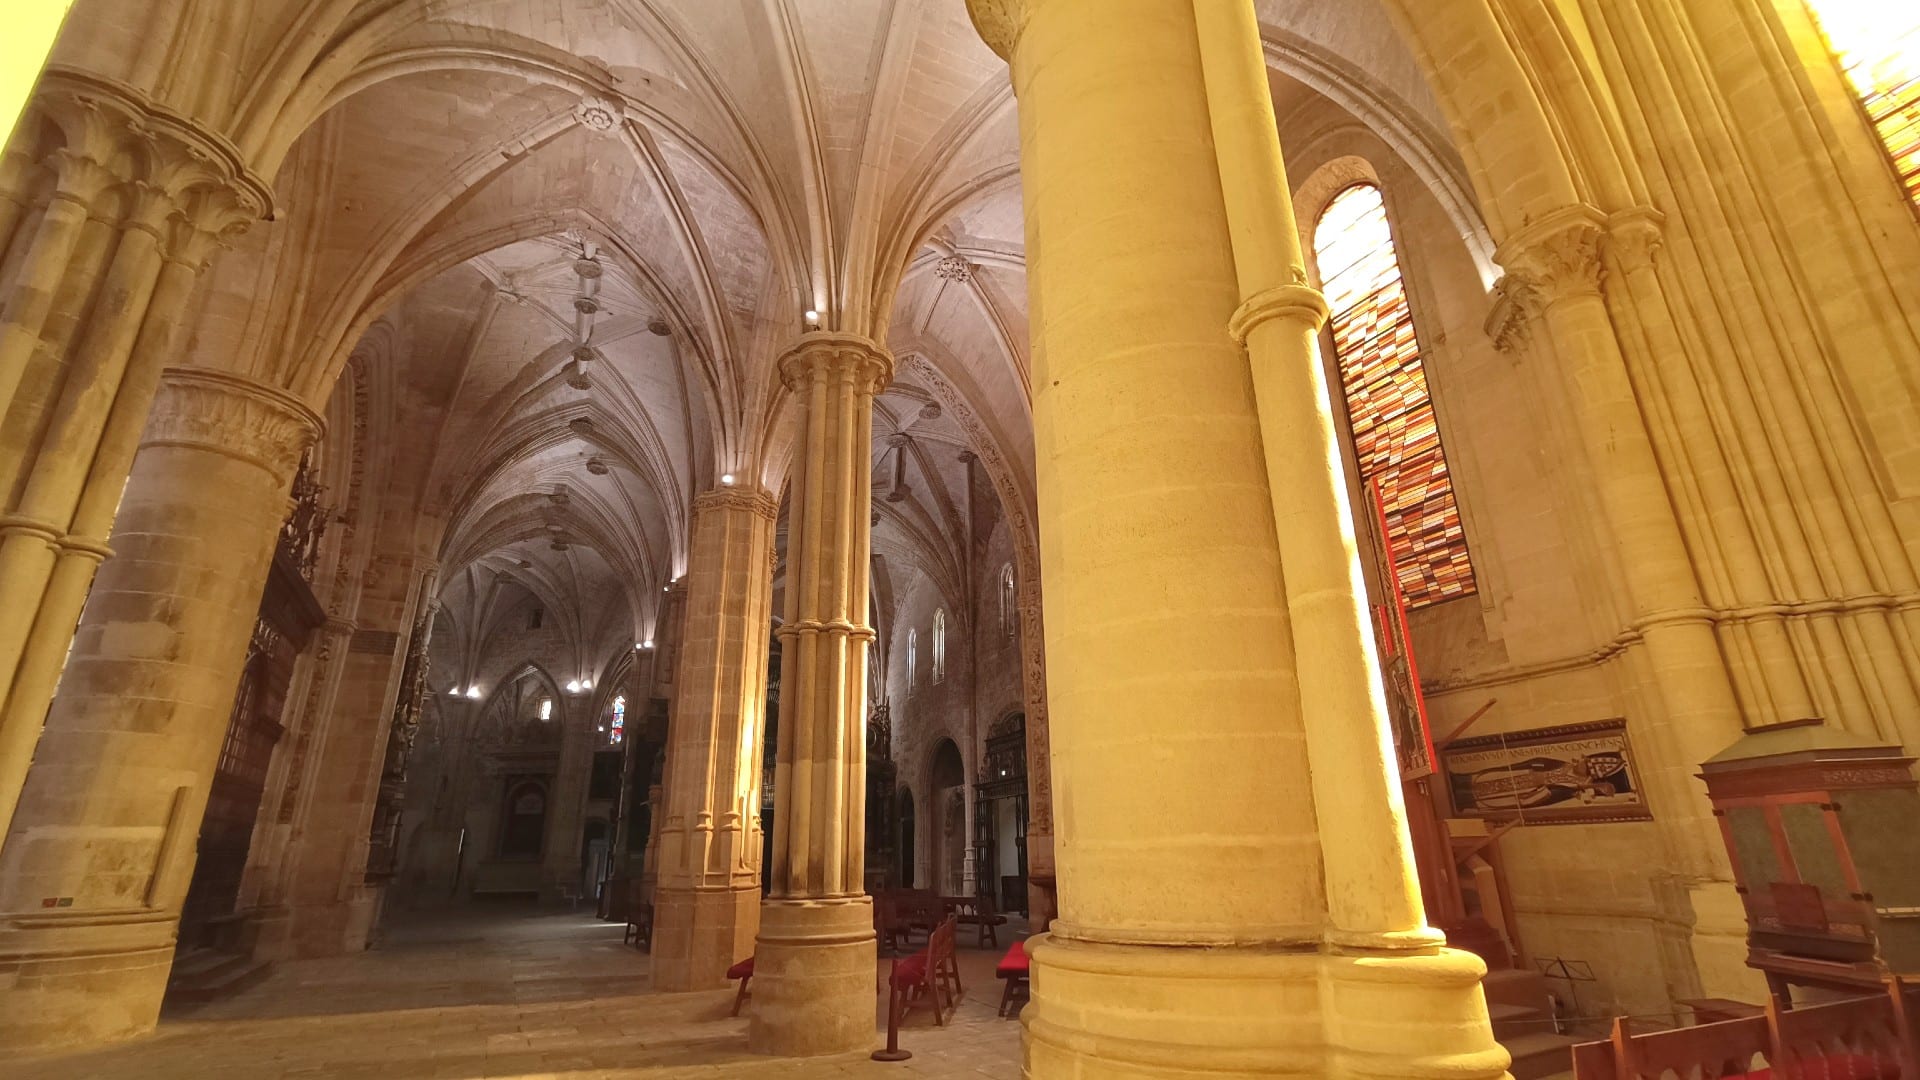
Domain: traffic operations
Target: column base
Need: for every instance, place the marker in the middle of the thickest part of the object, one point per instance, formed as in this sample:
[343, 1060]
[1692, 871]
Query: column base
[77, 981]
[1133, 1012]
[813, 978]
[699, 933]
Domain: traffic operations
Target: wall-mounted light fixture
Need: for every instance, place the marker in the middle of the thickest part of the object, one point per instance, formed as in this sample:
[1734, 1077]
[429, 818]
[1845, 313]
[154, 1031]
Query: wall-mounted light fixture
[473, 691]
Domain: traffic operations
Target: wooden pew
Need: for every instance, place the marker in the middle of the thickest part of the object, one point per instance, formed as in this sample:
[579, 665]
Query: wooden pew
[1865, 1038]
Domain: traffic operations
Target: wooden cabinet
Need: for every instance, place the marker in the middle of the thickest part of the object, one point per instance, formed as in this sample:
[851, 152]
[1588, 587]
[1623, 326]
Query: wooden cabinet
[1823, 830]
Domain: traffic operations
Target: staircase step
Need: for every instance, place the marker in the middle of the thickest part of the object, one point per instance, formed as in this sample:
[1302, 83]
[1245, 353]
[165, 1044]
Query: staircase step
[1536, 1057]
[208, 974]
[1517, 986]
[1511, 1020]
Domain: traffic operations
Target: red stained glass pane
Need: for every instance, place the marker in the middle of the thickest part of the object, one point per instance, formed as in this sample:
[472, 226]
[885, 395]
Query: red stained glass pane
[1396, 439]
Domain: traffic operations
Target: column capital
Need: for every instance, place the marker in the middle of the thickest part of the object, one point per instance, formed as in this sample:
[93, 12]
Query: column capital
[751, 500]
[828, 351]
[232, 415]
[1558, 254]
[999, 22]
[1635, 237]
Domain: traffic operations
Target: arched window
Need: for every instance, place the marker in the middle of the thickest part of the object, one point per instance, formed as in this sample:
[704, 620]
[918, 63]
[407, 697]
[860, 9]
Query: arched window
[1008, 607]
[939, 644]
[546, 708]
[1878, 48]
[913, 656]
[1396, 439]
[617, 726]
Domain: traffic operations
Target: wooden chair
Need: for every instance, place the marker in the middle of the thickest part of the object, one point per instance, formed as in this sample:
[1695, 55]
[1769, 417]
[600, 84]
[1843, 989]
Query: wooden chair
[890, 921]
[744, 972]
[930, 975]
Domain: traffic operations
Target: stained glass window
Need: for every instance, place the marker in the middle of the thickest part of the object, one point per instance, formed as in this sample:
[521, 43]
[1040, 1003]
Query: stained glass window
[617, 729]
[1878, 46]
[1396, 440]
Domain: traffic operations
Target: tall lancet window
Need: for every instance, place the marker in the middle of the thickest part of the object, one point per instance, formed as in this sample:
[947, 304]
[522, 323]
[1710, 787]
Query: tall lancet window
[1008, 603]
[939, 644]
[1396, 439]
[1878, 47]
[913, 656]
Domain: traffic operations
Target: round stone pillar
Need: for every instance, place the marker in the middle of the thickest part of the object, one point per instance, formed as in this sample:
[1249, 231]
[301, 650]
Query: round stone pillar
[707, 892]
[102, 846]
[813, 985]
[1211, 922]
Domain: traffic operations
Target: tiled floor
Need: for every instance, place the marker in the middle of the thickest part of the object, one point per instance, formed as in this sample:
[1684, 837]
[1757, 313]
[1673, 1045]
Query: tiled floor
[491, 995]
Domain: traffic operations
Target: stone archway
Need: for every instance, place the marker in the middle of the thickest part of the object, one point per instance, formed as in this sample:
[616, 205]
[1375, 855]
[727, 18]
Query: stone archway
[947, 813]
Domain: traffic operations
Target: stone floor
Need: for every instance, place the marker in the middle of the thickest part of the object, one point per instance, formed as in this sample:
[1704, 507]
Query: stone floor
[502, 995]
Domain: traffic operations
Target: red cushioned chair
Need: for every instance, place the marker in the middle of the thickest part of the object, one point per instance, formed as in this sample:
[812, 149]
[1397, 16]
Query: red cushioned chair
[744, 972]
[1013, 968]
[932, 974]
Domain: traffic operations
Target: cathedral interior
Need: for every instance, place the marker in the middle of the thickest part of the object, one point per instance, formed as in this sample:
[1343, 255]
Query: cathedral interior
[1373, 539]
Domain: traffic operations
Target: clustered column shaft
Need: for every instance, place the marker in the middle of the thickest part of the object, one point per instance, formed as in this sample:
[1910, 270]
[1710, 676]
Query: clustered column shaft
[108, 213]
[814, 967]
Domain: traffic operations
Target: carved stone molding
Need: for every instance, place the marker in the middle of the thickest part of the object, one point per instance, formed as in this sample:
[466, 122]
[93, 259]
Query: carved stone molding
[751, 500]
[1558, 255]
[999, 22]
[834, 353]
[1298, 302]
[231, 415]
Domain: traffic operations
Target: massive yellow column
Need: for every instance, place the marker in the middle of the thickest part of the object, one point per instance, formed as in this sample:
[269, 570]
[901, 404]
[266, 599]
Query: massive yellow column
[814, 966]
[1208, 924]
[102, 847]
[707, 896]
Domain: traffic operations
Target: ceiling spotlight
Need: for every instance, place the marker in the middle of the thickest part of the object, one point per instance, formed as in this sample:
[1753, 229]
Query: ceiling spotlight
[586, 684]
[647, 644]
[473, 691]
[727, 479]
[812, 317]
[573, 687]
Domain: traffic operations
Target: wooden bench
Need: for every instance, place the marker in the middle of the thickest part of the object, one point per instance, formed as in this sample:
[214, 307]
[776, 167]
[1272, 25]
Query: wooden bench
[1866, 1038]
[1013, 967]
[930, 975]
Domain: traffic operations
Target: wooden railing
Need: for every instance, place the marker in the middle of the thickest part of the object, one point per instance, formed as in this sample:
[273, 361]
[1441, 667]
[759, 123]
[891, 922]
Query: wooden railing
[1865, 1038]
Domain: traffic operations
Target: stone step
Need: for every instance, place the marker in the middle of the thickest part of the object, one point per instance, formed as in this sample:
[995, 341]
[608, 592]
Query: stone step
[1510, 1021]
[208, 974]
[1538, 1056]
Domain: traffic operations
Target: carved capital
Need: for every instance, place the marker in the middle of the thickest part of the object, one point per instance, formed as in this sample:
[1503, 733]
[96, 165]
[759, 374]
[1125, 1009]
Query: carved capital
[1557, 255]
[833, 355]
[749, 500]
[1514, 303]
[234, 416]
[999, 22]
[1635, 237]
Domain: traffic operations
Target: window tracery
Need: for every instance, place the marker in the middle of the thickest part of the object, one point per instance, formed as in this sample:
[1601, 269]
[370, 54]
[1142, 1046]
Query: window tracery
[1396, 438]
[1877, 46]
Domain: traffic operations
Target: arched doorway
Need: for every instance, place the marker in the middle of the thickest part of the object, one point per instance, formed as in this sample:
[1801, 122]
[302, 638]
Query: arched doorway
[948, 791]
[1000, 812]
[903, 847]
